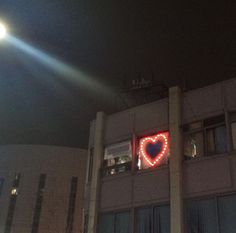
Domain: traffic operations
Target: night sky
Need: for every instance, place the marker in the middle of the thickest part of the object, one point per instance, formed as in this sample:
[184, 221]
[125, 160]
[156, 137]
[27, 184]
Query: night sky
[111, 42]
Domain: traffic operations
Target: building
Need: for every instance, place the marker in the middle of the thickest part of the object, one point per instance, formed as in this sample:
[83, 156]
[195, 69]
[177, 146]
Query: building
[41, 189]
[165, 167]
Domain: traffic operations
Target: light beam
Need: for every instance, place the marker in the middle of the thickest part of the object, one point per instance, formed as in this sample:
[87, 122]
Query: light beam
[63, 69]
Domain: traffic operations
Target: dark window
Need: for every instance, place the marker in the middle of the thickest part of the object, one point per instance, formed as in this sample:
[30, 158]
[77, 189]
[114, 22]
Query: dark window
[115, 223]
[202, 216]
[205, 138]
[106, 223]
[153, 220]
[161, 219]
[90, 170]
[38, 205]
[211, 215]
[233, 129]
[12, 203]
[227, 214]
[71, 206]
[1, 185]
[144, 220]
[86, 223]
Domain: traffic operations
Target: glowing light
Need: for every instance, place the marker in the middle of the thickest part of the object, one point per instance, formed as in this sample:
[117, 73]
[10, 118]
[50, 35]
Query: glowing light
[14, 192]
[3, 31]
[153, 161]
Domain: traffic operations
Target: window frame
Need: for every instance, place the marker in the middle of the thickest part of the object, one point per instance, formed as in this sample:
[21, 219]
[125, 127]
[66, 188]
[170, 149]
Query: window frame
[114, 214]
[106, 170]
[203, 130]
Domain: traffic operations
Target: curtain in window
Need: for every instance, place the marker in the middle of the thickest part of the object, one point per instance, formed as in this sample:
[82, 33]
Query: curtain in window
[106, 224]
[233, 127]
[122, 222]
[220, 139]
[227, 214]
[210, 141]
[202, 216]
[161, 219]
[144, 220]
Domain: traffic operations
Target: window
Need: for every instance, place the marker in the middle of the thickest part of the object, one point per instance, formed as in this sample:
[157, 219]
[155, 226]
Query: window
[115, 223]
[153, 150]
[202, 216]
[211, 215]
[153, 220]
[227, 214]
[206, 137]
[12, 203]
[117, 158]
[90, 170]
[86, 223]
[1, 185]
[71, 206]
[38, 205]
[233, 128]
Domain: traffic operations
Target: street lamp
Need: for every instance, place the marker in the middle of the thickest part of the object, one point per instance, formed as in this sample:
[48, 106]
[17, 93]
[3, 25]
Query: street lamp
[3, 31]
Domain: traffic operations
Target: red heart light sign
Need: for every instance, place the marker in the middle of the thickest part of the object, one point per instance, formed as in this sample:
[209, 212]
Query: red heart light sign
[153, 148]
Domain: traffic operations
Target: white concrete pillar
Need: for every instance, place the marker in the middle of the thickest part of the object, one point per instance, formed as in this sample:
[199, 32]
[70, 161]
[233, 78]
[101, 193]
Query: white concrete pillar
[176, 158]
[94, 191]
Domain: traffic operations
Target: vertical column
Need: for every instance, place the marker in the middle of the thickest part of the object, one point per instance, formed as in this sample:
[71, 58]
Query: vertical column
[176, 155]
[95, 181]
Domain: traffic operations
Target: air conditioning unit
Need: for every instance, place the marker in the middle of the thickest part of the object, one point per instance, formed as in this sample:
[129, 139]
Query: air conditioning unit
[118, 150]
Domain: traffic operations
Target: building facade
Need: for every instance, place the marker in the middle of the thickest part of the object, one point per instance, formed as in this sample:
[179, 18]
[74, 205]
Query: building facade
[165, 167]
[41, 189]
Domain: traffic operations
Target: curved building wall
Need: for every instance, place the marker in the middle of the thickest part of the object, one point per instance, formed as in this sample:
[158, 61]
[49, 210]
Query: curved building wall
[50, 187]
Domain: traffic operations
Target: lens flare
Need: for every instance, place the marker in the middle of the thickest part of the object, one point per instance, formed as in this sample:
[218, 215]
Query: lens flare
[3, 31]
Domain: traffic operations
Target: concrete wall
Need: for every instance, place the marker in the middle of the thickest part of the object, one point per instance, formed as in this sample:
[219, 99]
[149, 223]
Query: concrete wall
[127, 190]
[60, 164]
[210, 175]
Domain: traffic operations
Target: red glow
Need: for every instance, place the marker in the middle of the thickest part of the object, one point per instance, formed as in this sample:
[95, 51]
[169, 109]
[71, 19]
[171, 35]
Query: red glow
[163, 137]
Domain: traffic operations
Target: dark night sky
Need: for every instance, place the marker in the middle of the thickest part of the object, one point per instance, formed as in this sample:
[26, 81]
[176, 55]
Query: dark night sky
[108, 40]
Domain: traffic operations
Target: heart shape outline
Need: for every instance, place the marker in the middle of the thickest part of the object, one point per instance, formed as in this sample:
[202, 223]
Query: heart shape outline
[163, 137]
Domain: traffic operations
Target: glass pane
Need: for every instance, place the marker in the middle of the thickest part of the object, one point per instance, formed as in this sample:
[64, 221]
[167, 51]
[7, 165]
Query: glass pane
[227, 214]
[161, 219]
[1, 185]
[106, 224]
[216, 140]
[220, 139]
[193, 145]
[233, 126]
[202, 216]
[144, 223]
[122, 222]
[210, 142]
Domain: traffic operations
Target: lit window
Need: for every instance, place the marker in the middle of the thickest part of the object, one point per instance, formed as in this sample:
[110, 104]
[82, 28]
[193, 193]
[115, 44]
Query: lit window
[193, 145]
[153, 150]
[14, 192]
[12, 203]
[207, 136]
[117, 158]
